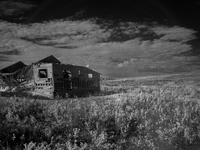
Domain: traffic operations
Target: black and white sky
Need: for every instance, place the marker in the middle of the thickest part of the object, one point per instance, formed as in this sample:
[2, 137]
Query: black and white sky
[121, 38]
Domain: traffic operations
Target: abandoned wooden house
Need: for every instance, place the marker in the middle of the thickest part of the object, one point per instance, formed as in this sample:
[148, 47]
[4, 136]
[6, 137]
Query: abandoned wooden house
[50, 78]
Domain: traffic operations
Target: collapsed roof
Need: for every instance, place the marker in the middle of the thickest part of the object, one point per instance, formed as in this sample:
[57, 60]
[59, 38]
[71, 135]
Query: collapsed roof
[13, 68]
[19, 65]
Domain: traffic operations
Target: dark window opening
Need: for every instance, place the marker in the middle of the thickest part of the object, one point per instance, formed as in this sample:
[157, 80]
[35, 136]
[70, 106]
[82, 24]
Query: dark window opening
[67, 74]
[43, 73]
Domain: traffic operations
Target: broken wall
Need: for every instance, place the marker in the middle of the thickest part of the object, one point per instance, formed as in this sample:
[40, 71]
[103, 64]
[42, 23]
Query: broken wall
[43, 78]
[21, 79]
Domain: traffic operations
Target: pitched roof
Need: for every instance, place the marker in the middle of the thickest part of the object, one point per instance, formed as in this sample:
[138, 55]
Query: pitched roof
[49, 59]
[14, 67]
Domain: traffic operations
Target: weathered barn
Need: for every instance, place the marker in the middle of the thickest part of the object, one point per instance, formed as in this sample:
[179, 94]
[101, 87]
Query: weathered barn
[50, 78]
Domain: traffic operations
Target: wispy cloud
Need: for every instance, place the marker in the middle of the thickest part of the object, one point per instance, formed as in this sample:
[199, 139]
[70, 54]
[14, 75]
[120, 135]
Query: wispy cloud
[64, 33]
[12, 8]
[179, 34]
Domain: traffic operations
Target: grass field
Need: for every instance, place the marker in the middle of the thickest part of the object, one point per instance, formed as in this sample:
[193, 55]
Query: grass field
[158, 113]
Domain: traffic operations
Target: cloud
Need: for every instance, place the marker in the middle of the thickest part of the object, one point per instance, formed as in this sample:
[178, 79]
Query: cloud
[12, 8]
[179, 34]
[145, 53]
[131, 61]
[103, 44]
[3, 58]
[64, 33]
[12, 52]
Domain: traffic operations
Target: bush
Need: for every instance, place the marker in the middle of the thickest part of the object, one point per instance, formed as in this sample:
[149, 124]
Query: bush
[22, 122]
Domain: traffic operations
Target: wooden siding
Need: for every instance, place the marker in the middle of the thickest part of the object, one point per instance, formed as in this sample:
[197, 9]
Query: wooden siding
[82, 80]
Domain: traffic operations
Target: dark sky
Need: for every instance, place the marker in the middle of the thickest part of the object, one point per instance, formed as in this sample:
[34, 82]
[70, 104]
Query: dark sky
[177, 11]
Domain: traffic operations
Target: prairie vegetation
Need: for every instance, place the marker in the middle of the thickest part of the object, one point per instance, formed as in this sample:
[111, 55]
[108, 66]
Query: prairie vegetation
[160, 113]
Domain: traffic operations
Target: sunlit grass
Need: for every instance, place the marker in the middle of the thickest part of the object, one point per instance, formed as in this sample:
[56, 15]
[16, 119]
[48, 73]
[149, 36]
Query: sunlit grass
[136, 116]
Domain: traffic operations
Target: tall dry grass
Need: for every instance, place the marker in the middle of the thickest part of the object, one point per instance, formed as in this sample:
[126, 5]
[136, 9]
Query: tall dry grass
[147, 117]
